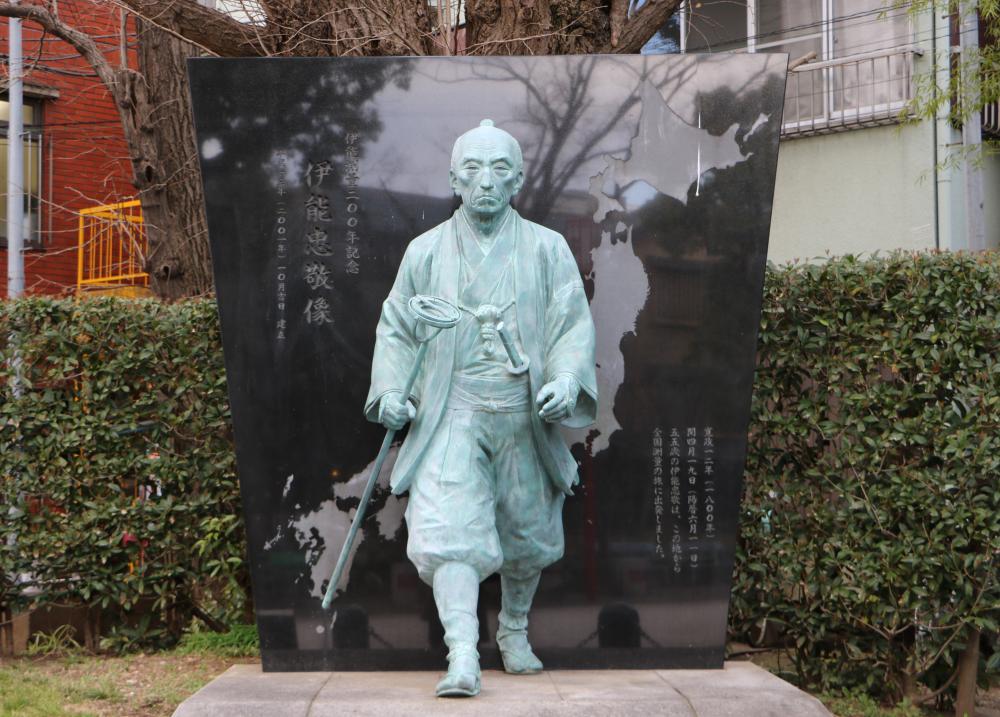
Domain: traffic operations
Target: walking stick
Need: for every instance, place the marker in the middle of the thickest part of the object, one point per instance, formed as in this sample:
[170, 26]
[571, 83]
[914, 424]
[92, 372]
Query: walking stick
[432, 315]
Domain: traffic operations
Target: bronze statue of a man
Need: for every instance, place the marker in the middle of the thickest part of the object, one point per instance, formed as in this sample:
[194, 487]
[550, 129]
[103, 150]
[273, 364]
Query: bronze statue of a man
[484, 463]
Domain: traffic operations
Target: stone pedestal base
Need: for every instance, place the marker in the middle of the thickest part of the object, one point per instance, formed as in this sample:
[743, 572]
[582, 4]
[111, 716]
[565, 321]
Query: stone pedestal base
[740, 690]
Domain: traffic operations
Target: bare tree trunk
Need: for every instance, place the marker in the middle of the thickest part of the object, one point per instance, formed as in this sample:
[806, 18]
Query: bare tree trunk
[561, 27]
[909, 687]
[167, 170]
[538, 28]
[6, 631]
[968, 670]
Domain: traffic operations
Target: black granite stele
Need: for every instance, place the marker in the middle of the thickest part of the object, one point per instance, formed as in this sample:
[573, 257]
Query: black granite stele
[659, 171]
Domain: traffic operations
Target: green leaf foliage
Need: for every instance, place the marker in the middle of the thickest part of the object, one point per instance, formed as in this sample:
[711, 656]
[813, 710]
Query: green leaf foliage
[871, 512]
[117, 473]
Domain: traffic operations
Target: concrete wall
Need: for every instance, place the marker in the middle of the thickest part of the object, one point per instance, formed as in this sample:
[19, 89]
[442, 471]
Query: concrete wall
[991, 200]
[867, 190]
[856, 192]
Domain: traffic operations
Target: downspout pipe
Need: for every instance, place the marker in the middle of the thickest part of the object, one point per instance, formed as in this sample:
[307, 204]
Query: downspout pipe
[972, 129]
[934, 127]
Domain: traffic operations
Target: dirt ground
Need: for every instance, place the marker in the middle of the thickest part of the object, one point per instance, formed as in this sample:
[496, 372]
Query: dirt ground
[988, 704]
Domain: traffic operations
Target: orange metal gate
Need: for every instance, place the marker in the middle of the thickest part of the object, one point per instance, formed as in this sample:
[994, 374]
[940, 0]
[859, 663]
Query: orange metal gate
[112, 250]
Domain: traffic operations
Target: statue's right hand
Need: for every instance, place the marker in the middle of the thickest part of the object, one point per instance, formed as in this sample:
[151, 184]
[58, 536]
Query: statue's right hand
[393, 412]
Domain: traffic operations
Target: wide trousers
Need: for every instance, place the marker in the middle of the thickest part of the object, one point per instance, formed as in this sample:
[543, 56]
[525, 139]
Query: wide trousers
[482, 496]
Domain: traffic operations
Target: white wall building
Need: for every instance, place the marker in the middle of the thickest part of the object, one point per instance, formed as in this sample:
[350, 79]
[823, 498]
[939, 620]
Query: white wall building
[851, 178]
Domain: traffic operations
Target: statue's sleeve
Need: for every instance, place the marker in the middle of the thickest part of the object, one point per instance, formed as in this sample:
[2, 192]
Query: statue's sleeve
[569, 334]
[395, 342]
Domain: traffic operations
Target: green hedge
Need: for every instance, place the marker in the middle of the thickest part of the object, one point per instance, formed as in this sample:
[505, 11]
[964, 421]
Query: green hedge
[871, 528]
[871, 525]
[118, 475]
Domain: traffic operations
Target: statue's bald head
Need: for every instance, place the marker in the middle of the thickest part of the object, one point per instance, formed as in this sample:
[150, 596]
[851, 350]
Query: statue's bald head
[486, 169]
[487, 132]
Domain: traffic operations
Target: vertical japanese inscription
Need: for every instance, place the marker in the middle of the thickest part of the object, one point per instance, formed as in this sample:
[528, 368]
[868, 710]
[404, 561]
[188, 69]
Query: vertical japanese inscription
[690, 467]
[674, 453]
[691, 460]
[315, 271]
[281, 247]
[658, 488]
[352, 250]
[708, 468]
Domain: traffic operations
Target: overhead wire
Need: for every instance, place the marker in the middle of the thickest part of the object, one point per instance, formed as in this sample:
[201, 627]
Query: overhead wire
[44, 37]
[80, 123]
[891, 42]
[875, 15]
[868, 18]
[42, 67]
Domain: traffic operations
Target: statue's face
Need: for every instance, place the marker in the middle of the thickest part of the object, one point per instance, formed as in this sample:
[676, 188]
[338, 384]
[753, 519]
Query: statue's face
[486, 172]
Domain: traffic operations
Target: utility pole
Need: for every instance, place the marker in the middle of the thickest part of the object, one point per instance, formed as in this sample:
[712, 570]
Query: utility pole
[15, 164]
[15, 215]
[972, 126]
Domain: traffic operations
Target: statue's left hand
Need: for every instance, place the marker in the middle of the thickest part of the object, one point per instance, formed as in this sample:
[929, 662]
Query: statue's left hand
[557, 399]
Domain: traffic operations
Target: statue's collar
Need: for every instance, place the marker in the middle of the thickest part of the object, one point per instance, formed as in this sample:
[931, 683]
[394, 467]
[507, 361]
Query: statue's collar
[485, 245]
[483, 270]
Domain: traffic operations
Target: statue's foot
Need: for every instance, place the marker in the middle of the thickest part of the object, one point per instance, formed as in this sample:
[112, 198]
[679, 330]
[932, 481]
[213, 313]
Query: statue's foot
[462, 679]
[518, 659]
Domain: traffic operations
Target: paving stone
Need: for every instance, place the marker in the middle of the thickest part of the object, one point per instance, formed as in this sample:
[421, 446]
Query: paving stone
[739, 690]
[245, 691]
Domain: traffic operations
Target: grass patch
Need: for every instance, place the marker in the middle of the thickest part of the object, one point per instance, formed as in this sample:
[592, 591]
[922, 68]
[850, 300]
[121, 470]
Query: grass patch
[240, 641]
[25, 692]
[84, 685]
[101, 690]
[862, 705]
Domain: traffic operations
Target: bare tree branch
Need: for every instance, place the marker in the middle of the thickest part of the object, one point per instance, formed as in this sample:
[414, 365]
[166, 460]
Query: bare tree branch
[643, 24]
[207, 28]
[80, 41]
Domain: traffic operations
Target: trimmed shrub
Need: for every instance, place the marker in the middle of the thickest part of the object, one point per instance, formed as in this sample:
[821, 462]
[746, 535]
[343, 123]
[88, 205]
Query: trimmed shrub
[871, 526]
[118, 474]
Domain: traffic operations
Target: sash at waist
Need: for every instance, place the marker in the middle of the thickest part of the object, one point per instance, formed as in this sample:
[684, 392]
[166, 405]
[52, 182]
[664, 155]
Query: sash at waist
[508, 394]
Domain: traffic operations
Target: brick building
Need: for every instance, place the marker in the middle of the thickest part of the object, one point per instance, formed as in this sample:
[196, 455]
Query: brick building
[75, 153]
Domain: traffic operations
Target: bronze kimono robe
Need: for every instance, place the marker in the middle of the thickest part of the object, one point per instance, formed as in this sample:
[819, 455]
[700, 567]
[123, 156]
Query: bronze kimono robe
[553, 320]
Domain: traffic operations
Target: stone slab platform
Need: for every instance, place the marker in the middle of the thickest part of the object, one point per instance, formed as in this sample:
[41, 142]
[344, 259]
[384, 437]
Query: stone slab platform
[741, 689]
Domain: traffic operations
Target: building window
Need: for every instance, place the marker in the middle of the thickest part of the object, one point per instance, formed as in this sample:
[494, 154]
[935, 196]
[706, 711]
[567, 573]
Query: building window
[32, 171]
[860, 69]
[715, 25]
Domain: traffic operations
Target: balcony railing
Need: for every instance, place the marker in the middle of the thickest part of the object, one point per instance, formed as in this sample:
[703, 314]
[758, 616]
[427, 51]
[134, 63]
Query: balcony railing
[857, 91]
[111, 250]
[991, 120]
